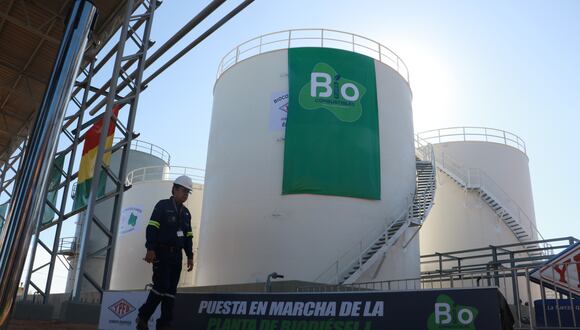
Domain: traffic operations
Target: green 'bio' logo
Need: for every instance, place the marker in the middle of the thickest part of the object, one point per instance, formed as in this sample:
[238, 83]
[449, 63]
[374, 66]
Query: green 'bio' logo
[449, 316]
[328, 90]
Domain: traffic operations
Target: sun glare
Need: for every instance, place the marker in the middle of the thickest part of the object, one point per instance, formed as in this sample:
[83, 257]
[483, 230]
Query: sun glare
[432, 88]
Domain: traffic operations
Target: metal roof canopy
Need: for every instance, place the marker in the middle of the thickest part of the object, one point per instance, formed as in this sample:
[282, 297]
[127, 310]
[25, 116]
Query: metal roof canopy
[30, 33]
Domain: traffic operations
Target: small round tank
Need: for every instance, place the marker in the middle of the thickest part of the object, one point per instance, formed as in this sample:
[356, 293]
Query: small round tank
[482, 171]
[149, 185]
[484, 198]
[141, 154]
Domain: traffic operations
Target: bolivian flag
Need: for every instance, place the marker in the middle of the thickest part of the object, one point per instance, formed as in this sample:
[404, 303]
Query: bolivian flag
[87, 168]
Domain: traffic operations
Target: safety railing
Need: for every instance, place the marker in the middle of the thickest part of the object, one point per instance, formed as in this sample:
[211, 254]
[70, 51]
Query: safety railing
[514, 255]
[67, 245]
[345, 261]
[149, 148]
[165, 173]
[354, 255]
[424, 201]
[476, 178]
[535, 302]
[324, 38]
[424, 150]
[472, 133]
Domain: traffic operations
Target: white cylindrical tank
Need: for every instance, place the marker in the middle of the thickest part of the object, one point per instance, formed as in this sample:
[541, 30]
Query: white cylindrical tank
[249, 229]
[491, 162]
[141, 154]
[130, 272]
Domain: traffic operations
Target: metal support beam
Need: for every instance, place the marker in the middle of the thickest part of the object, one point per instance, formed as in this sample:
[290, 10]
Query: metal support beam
[89, 215]
[31, 187]
[128, 80]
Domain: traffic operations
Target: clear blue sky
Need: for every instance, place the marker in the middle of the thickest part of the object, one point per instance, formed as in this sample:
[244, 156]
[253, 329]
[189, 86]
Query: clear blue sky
[512, 65]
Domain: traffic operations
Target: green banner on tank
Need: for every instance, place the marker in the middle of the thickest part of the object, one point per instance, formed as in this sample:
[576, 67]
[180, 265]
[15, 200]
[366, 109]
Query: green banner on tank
[332, 131]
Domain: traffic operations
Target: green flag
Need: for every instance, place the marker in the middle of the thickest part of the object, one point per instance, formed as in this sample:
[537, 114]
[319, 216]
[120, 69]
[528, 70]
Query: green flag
[332, 133]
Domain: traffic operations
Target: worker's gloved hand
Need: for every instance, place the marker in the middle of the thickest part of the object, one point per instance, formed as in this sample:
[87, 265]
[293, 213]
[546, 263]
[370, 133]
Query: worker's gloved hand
[150, 256]
[189, 264]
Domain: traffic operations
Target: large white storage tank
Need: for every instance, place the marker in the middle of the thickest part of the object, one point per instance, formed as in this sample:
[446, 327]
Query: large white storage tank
[150, 184]
[484, 193]
[141, 154]
[249, 229]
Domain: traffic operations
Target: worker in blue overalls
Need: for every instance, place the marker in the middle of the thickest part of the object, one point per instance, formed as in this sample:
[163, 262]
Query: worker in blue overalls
[168, 232]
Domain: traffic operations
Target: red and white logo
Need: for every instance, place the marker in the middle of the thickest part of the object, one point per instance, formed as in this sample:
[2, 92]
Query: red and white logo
[562, 272]
[121, 308]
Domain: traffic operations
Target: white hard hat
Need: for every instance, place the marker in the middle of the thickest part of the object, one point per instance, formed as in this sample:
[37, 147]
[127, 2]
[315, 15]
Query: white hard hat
[184, 181]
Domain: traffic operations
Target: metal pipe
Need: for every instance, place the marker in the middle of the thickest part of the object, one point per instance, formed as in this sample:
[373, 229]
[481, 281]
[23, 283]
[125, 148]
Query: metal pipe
[125, 154]
[56, 242]
[176, 57]
[198, 40]
[87, 218]
[195, 21]
[32, 184]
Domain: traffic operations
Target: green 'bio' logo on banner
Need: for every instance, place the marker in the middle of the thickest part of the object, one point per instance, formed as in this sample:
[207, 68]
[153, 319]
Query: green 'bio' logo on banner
[328, 90]
[331, 144]
[450, 316]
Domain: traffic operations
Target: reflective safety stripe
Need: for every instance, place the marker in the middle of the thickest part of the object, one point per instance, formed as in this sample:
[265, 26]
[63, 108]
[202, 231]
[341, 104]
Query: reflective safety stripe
[162, 294]
[156, 292]
[189, 234]
[154, 223]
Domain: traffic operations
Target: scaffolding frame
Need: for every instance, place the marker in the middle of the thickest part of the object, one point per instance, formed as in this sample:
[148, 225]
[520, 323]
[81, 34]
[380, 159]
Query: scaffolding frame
[88, 104]
[136, 29]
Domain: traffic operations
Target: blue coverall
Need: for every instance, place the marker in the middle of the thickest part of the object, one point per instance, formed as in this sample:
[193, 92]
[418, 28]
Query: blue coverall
[168, 232]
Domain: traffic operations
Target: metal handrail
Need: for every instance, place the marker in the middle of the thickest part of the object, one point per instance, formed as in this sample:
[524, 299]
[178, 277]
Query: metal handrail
[528, 294]
[473, 133]
[165, 173]
[148, 148]
[426, 152]
[550, 247]
[325, 38]
[67, 245]
[354, 255]
[476, 178]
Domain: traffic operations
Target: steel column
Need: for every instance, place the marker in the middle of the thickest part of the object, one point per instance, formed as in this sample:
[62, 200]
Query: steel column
[122, 62]
[127, 144]
[31, 188]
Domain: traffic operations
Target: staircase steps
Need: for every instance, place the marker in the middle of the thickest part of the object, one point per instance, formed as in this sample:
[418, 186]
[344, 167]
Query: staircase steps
[422, 202]
[512, 223]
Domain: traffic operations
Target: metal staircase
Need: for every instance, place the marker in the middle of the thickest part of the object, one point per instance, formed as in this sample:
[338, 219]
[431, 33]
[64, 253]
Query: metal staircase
[417, 212]
[477, 181]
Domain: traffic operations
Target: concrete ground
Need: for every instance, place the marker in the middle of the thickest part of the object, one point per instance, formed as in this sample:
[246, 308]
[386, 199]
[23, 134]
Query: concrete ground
[48, 325]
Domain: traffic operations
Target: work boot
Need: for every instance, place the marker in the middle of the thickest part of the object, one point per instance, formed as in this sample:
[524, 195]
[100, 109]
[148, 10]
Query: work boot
[141, 324]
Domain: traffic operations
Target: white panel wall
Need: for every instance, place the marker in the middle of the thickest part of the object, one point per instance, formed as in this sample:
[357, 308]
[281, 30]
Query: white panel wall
[130, 272]
[249, 229]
